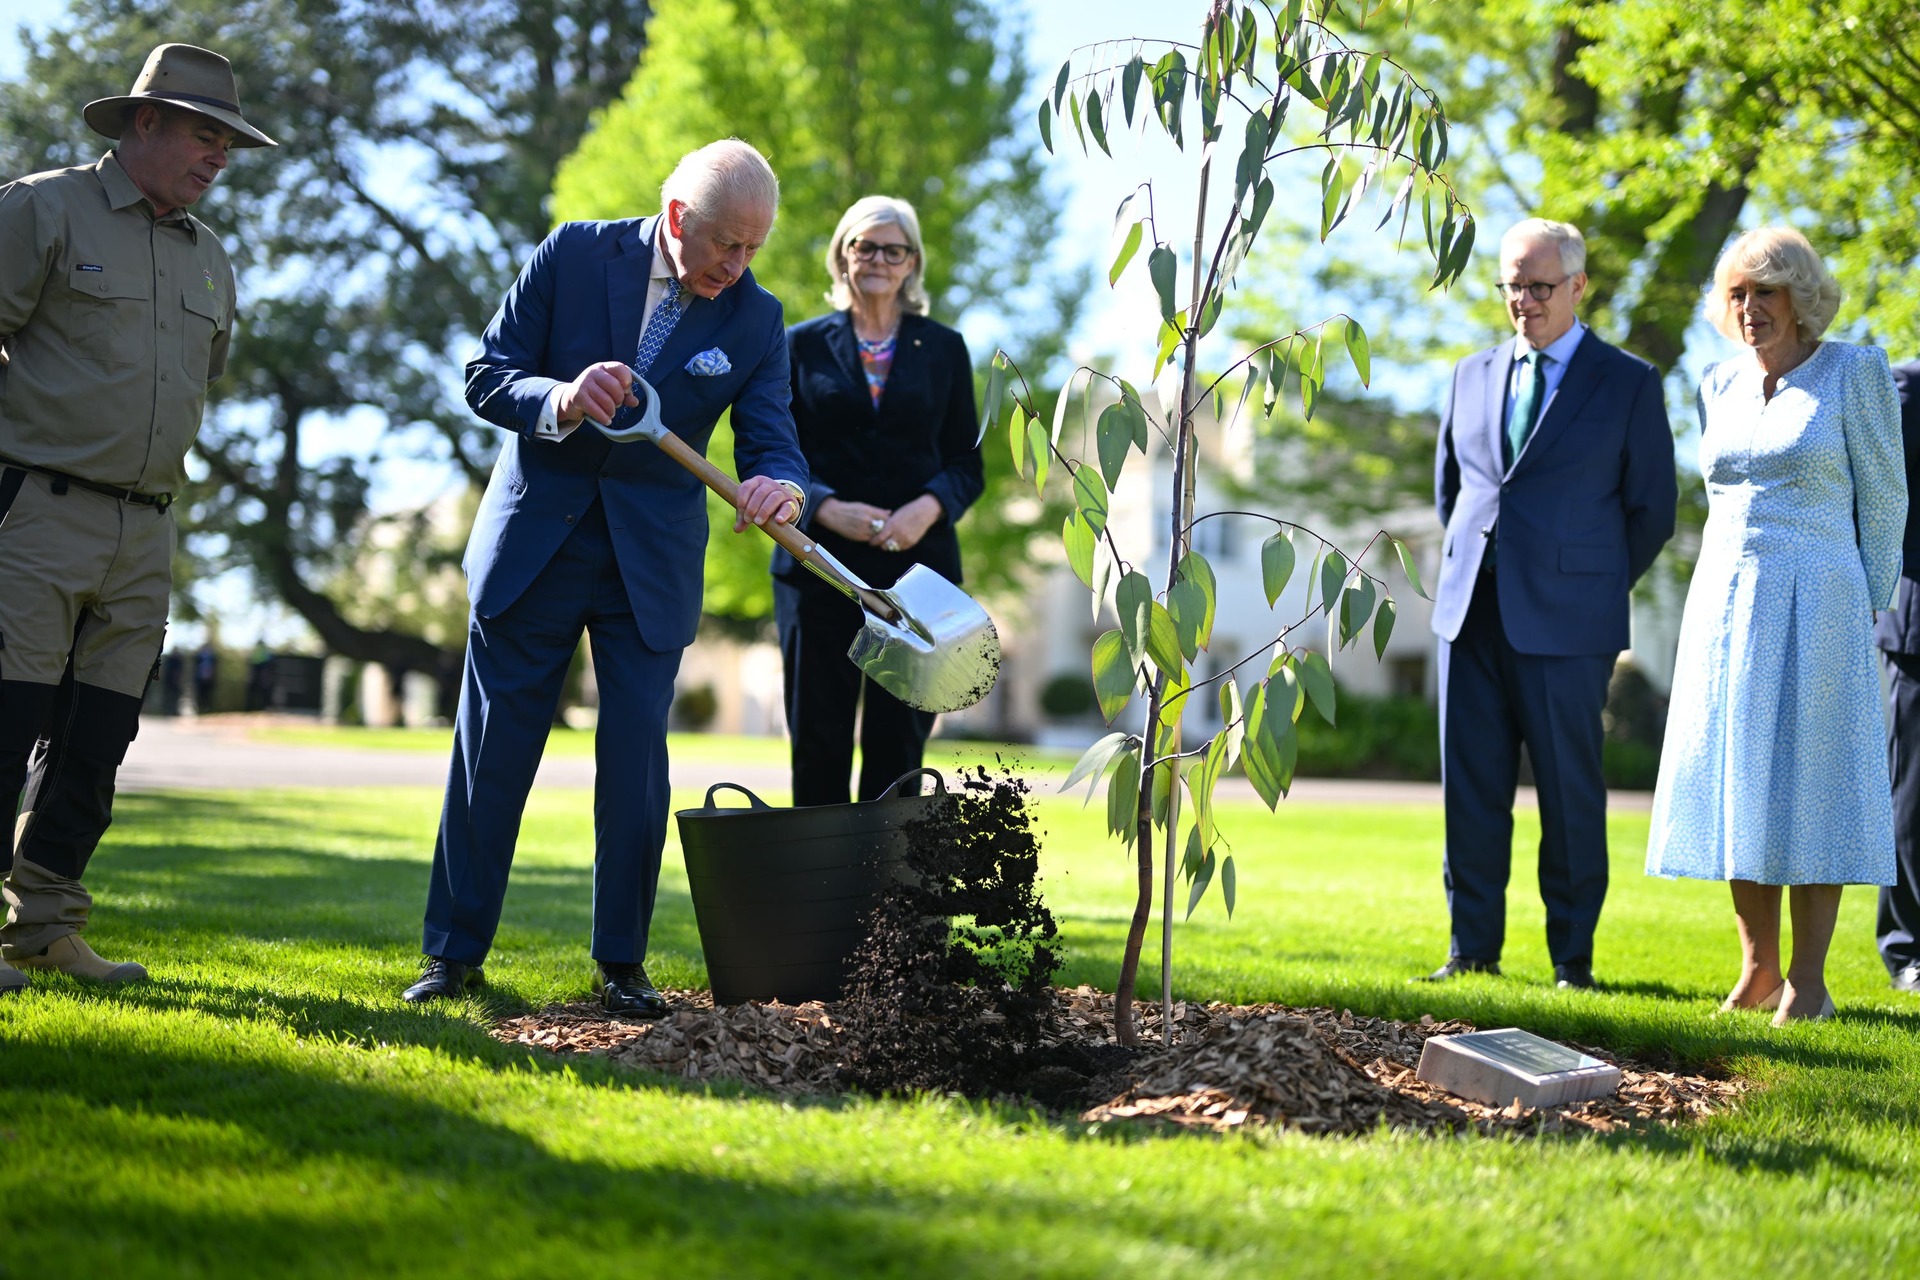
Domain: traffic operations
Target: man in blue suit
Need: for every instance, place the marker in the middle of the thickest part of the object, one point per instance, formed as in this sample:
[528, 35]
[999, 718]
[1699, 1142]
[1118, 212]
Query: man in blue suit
[1555, 482]
[578, 534]
[1897, 632]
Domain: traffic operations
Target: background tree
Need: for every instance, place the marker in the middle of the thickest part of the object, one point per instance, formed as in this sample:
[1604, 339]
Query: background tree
[1371, 130]
[847, 99]
[419, 141]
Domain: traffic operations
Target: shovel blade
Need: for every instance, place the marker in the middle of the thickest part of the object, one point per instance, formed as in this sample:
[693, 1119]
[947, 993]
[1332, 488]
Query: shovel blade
[942, 655]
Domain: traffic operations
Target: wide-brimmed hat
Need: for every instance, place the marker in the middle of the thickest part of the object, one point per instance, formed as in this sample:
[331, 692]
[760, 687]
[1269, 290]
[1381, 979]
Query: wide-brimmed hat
[196, 79]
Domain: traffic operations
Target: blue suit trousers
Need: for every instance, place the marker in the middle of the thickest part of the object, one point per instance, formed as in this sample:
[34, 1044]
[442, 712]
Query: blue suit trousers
[1492, 699]
[516, 665]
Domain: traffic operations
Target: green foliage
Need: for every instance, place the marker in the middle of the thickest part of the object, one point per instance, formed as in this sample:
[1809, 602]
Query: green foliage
[361, 291]
[841, 98]
[1372, 124]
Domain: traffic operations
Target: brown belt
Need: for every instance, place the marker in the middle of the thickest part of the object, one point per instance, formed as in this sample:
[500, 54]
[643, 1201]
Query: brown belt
[61, 480]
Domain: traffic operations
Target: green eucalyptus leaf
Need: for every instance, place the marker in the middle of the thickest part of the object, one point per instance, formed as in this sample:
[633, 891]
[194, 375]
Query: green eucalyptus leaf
[1079, 129]
[1316, 677]
[1134, 600]
[1277, 558]
[1162, 783]
[1356, 607]
[1123, 797]
[1162, 266]
[1136, 416]
[1194, 586]
[1172, 334]
[1046, 125]
[1359, 352]
[1093, 762]
[1128, 247]
[1113, 674]
[1081, 544]
[1017, 440]
[1090, 495]
[1232, 716]
[1114, 436]
[1190, 860]
[1163, 639]
[1095, 124]
[1042, 459]
[1130, 85]
[996, 387]
[1060, 83]
[1226, 883]
[1200, 881]
[1408, 567]
[1333, 572]
[1382, 627]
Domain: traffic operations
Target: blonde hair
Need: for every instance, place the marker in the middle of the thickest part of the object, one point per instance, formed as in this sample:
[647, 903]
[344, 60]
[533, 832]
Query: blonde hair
[1782, 257]
[873, 211]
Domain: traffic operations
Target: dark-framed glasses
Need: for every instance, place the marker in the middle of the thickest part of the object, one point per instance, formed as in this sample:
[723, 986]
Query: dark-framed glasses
[867, 250]
[1538, 290]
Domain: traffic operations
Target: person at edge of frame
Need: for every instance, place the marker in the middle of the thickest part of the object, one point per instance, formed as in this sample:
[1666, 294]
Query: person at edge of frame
[116, 311]
[1897, 633]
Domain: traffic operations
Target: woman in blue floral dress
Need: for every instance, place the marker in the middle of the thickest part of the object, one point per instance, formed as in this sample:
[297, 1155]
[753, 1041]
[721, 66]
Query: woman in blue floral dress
[1775, 770]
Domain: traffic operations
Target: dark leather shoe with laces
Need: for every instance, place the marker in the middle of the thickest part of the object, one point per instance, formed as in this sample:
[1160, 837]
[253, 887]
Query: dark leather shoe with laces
[1457, 965]
[1573, 976]
[627, 991]
[443, 980]
[1908, 979]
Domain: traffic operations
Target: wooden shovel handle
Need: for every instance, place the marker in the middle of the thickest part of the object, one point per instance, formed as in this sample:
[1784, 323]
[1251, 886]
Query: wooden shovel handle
[798, 544]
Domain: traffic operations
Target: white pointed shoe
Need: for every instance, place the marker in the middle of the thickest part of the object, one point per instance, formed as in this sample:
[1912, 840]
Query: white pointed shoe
[71, 955]
[11, 979]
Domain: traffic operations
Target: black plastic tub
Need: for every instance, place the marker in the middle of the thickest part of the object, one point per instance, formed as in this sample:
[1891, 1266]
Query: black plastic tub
[782, 896]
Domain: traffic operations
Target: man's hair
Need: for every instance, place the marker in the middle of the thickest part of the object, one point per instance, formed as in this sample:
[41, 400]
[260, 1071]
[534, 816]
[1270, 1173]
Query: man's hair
[1563, 236]
[728, 174]
[1783, 258]
[873, 211]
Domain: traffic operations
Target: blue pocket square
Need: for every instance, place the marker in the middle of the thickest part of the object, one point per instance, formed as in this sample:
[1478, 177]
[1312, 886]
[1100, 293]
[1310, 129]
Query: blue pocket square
[710, 363]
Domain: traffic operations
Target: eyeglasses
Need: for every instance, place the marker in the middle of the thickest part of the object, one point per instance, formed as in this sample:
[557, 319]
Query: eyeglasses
[867, 250]
[1538, 290]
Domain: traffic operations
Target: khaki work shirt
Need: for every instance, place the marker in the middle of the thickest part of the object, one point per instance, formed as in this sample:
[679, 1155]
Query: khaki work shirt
[112, 323]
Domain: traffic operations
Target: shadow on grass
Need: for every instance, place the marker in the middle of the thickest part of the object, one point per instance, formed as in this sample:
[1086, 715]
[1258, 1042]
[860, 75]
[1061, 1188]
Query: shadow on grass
[499, 1192]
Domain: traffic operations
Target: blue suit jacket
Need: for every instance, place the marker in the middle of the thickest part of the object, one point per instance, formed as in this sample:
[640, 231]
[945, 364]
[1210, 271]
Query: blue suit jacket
[1578, 518]
[1897, 630]
[579, 300]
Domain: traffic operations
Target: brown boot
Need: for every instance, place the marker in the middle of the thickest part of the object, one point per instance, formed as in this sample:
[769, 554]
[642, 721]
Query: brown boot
[11, 979]
[71, 955]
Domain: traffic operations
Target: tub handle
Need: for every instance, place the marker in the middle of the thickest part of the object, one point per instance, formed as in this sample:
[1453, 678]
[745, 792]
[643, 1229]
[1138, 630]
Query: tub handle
[939, 783]
[753, 800]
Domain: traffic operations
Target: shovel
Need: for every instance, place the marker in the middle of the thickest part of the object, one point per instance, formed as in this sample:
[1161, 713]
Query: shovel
[926, 642]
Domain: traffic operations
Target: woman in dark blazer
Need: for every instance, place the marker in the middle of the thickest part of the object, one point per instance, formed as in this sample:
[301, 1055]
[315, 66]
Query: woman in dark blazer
[883, 398]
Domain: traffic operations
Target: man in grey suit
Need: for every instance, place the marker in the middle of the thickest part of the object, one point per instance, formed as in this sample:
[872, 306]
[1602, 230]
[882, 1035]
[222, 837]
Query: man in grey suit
[1897, 632]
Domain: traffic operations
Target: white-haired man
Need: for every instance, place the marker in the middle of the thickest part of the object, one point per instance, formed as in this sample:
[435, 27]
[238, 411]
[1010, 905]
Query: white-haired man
[1555, 483]
[576, 534]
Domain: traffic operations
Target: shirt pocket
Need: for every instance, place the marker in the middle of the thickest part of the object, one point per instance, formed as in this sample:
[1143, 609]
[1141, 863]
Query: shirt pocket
[113, 321]
[200, 324]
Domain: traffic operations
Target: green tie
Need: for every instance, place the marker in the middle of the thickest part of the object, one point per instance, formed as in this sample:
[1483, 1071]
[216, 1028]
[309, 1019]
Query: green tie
[1526, 405]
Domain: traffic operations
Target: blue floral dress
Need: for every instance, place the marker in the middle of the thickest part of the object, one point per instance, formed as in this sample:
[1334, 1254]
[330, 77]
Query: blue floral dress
[1775, 764]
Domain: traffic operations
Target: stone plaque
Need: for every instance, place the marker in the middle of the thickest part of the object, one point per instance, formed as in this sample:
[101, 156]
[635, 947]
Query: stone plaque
[1500, 1067]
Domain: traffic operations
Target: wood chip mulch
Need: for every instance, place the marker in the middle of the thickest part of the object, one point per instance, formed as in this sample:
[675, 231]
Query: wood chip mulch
[1231, 1066]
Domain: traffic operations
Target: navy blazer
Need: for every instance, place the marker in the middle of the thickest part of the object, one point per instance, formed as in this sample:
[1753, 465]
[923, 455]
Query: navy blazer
[578, 301]
[1897, 630]
[1579, 516]
[920, 439]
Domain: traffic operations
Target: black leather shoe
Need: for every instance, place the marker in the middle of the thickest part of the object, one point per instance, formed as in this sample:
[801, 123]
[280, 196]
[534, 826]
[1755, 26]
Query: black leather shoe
[443, 980]
[1457, 965]
[628, 992]
[1573, 977]
[1908, 979]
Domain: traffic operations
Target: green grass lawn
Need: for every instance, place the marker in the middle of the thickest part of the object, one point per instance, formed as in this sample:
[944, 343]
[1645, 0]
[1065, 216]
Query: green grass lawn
[267, 1106]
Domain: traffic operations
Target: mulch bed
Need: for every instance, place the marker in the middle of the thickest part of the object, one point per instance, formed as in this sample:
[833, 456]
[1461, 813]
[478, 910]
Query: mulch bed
[1231, 1066]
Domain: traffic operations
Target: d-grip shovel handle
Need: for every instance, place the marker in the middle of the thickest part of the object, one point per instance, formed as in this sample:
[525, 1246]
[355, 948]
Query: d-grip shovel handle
[798, 544]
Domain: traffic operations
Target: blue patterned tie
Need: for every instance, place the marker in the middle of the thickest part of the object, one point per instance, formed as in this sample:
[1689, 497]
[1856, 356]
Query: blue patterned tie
[1526, 405]
[659, 325]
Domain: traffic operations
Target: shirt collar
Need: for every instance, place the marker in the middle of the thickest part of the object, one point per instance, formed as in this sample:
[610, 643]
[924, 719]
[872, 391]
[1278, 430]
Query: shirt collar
[122, 193]
[662, 268]
[1559, 350]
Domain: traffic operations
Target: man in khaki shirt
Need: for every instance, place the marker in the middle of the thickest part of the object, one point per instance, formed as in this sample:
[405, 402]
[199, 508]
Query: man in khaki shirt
[116, 307]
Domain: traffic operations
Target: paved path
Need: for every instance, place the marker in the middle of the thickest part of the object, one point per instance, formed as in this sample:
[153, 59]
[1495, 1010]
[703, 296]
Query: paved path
[181, 753]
